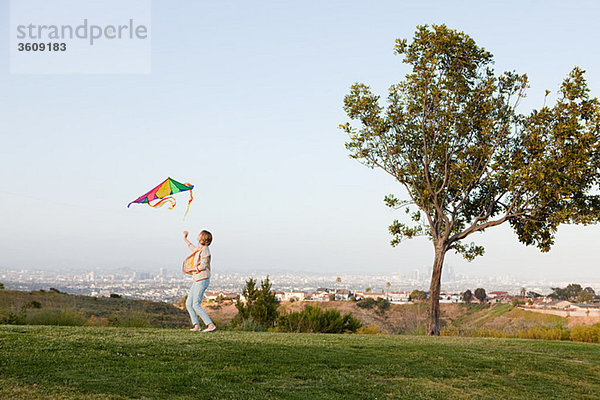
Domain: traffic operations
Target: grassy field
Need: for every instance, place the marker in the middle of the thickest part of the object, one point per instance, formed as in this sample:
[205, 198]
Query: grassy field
[114, 363]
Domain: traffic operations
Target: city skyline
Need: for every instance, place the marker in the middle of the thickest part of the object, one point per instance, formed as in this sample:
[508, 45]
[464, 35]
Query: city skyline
[164, 285]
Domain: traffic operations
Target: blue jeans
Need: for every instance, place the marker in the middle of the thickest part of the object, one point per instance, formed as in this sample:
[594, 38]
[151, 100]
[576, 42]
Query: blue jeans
[194, 301]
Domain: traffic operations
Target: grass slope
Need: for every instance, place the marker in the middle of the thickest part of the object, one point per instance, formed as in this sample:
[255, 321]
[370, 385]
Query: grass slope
[116, 363]
[69, 309]
[503, 317]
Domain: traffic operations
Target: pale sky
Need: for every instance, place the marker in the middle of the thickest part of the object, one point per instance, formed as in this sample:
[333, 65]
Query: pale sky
[243, 101]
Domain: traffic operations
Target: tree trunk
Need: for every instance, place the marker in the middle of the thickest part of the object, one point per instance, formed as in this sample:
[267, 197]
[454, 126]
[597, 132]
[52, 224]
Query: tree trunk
[434, 292]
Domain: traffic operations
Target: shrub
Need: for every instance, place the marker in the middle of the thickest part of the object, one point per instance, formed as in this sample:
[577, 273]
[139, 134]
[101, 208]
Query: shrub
[544, 333]
[467, 296]
[314, 319]
[370, 329]
[450, 331]
[585, 296]
[382, 305]
[590, 334]
[14, 317]
[181, 303]
[34, 304]
[261, 306]
[248, 325]
[418, 295]
[480, 294]
[115, 296]
[57, 317]
[516, 302]
[129, 319]
[366, 303]
[97, 321]
[419, 330]
[486, 332]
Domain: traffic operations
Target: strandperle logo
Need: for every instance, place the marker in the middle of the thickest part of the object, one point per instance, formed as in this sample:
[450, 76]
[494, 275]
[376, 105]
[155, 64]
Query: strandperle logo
[84, 31]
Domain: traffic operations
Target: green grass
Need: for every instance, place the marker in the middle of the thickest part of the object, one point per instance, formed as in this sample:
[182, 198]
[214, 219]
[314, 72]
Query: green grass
[113, 363]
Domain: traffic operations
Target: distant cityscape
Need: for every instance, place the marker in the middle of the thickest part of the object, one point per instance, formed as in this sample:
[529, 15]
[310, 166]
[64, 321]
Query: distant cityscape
[168, 286]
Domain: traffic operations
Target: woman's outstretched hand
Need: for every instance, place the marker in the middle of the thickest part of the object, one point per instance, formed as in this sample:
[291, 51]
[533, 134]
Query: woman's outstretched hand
[185, 234]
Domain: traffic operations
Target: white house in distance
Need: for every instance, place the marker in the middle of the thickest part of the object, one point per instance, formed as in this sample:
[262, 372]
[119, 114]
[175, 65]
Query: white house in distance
[296, 295]
[399, 297]
[359, 294]
[320, 295]
[449, 297]
[342, 294]
[223, 295]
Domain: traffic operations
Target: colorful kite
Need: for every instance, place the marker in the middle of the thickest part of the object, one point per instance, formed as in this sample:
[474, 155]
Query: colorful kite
[163, 193]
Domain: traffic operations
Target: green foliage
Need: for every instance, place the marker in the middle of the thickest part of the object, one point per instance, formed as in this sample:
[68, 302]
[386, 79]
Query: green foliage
[34, 304]
[64, 317]
[538, 332]
[313, 319]
[1, 286]
[129, 319]
[115, 296]
[545, 333]
[535, 295]
[418, 295]
[180, 303]
[260, 307]
[590, 291]
[370, 329]
[516, 302]
[382, 305]
[14, 317]
[480, 294]
[584, 297]
[467, 296]
[589, 334]
[568, 293]
[367, 303]
[450, 135]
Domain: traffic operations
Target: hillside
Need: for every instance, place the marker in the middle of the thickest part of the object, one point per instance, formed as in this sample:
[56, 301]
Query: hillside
[118, 363]
[53, 308]
[412, 318]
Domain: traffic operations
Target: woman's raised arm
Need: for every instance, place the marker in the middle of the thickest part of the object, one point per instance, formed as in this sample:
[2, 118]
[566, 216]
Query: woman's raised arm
[189, 244]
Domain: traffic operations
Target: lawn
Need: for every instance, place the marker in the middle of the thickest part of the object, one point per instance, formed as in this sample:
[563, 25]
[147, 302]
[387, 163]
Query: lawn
[114, 363]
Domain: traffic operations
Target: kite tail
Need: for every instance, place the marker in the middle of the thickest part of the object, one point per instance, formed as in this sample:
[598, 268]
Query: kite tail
[164, 201]
[189, 202]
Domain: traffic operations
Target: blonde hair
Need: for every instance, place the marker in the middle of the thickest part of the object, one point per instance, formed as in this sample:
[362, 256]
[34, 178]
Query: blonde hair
[205, 238]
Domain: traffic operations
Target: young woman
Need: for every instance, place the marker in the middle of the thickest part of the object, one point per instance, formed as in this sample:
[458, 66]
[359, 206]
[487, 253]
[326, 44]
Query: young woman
[198, 265]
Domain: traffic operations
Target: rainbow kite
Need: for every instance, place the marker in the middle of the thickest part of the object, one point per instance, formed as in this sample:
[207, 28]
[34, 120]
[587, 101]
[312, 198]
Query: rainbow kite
[163, 193]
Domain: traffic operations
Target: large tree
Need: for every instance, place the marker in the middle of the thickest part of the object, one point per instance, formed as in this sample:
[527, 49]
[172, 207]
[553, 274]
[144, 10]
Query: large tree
[451, 136]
